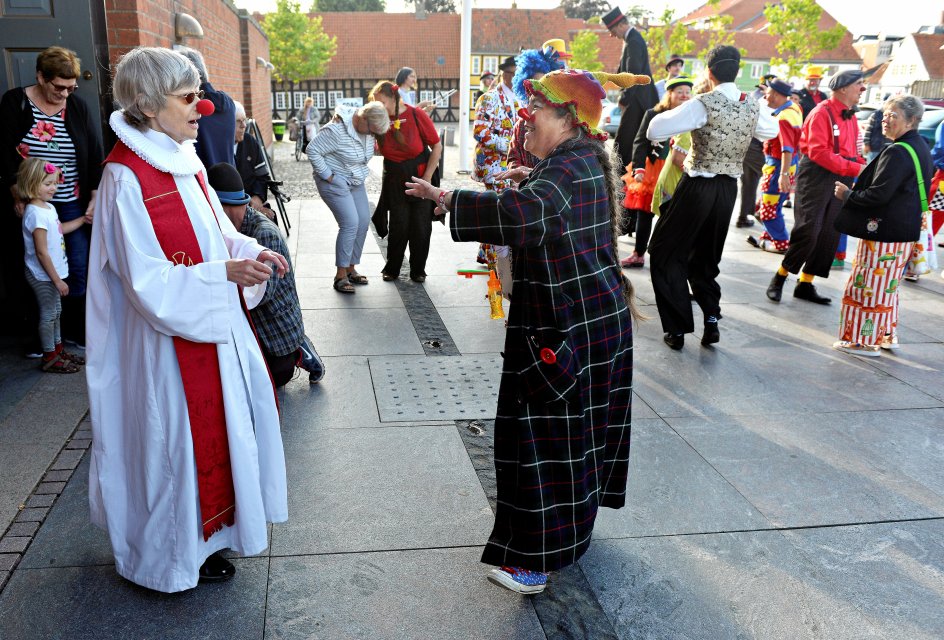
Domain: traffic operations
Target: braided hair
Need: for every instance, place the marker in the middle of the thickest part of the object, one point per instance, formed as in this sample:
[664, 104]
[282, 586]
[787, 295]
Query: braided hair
[392, 91]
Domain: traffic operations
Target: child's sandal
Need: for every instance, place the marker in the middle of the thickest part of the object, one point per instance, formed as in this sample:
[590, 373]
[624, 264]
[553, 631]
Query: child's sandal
[58, 364]
[71, 357]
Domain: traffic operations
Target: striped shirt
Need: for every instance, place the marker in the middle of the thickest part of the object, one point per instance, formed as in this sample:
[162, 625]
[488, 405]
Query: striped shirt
[49, 140]
[340, 149]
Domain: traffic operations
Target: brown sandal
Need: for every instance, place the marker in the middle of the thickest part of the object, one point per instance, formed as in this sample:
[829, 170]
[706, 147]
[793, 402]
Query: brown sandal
[343, 285]
[58, 364]
[71, 357]
[356, 278]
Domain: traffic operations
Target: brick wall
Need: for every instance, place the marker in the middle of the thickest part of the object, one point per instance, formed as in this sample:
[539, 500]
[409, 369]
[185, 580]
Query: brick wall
[231, 42]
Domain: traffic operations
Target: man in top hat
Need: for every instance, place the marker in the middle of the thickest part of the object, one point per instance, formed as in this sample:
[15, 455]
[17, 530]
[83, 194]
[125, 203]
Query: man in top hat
[828, 153]
[495, 115]
[674, 68]
[277, 317]
[779, 167]
[637, 99]
[689, 237]
[810, 95]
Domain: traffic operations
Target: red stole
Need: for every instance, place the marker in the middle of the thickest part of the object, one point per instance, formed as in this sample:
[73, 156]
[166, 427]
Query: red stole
[198, 361]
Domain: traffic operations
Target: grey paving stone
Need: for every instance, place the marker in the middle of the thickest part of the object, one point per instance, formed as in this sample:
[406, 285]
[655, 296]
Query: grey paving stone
[68, 538]
[354, 596]
[390, 488]
[353, 332]
[317, 293]
[68, 459]
[41, 501]
[473, 330]
[799, 470]
[7, 560]
[321, 265]
[22, 529]
[54, 488]
[734, 585]
[79, 443]
[19, 376]
[892, 573]
[568, 609]
[13, 544]
[57, 475]
[44, 418]
[920, 365]
[32, 515]
[90, 603]
[672, 489]
[447, 388]
[737, 377]
[21, 467]
[4, 577]
[456, 291]
[921, 311]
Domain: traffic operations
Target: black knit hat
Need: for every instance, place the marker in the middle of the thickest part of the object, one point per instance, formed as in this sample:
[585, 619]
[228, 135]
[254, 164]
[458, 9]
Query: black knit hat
[225, 180]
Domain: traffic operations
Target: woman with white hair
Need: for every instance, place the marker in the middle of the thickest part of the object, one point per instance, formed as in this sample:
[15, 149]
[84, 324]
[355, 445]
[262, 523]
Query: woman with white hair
[339, 157]
[186, 451]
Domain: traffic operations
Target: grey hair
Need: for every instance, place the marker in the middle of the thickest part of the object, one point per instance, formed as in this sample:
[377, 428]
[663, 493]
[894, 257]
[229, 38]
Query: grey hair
[239, 107]
[196, 58]
[911, 107]
[144, 78]
[376, 115]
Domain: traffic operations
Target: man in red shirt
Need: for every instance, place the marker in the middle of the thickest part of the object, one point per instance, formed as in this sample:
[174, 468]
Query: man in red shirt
[828, 153]
[810, 95]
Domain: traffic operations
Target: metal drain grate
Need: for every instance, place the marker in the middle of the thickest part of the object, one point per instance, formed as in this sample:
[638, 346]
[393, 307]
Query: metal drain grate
[436, 388]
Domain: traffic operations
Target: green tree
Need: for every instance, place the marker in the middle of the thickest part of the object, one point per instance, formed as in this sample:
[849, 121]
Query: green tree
[298, 47]
[797, 24]
[584, 9]
[585, 48]
[436, 6]
[666, 39]
[348, 5]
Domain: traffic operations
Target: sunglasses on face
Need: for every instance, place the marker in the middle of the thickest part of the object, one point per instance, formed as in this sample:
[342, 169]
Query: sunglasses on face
[59, 88]
[188, 97]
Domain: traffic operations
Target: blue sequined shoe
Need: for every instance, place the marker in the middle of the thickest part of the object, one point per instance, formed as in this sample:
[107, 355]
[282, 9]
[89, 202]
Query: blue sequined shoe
[518, 579]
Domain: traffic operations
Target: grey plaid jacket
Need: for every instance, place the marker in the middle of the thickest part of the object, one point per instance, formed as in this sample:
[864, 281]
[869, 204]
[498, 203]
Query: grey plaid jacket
[278, 318]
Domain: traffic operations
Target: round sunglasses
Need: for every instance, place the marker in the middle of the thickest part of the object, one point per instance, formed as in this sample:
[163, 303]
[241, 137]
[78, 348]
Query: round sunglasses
[188, 97]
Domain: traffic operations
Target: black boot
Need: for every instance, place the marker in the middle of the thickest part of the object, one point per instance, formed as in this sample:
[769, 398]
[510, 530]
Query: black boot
[216, 569]
[775, 288]
[806, 291]
[711, 334]
[674, 340]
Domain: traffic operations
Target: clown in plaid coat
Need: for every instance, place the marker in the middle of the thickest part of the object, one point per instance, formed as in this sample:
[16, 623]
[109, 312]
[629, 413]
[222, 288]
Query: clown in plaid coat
[563, 419]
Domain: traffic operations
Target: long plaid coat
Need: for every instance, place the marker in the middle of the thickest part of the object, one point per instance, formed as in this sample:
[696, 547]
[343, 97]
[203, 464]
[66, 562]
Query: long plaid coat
[563, 419]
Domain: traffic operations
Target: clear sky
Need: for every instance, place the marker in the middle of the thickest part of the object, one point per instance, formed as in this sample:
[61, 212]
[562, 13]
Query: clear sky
[859, 16]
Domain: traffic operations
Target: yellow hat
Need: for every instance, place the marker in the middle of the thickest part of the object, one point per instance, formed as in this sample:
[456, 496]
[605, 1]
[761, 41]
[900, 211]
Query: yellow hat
[813, 72]
[557, 45]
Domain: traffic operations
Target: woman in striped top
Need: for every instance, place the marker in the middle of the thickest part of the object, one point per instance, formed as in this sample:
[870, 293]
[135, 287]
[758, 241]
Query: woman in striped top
[47, 120]
[339, 155]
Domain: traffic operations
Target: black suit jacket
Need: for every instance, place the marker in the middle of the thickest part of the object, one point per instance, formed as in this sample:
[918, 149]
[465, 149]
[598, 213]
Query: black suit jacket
[636, 100]
[887, 194]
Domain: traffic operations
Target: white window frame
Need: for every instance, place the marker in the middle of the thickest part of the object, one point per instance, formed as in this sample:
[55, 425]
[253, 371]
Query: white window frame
[490, 63]
[280, 101]
[319, 97]
[427, 95]
[298, 99]
[442, 101]
[476, 65]
[333, 97]
[757, 69]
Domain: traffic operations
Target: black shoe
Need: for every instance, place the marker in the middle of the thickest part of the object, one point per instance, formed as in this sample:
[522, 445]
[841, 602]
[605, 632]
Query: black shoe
[806, 291]
[744, 222]
[788, 204]
[216, 569]
[310, 361]
[420, 279]
[775, 288]
[674, 340]
[711, 334]
[754, 242]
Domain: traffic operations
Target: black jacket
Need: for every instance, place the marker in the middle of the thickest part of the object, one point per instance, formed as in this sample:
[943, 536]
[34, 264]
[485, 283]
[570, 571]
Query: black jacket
[884, 204]
[806, 100]
[251, 167]
[874, 137]
[17, 118]
[643, 147]
[637, 99]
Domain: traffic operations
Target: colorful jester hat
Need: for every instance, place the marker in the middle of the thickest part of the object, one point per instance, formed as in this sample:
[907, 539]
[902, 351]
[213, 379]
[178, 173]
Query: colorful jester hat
[582, 93]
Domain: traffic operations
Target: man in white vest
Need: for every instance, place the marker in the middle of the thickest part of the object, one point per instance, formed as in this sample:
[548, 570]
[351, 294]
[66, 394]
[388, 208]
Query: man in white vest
[688, 239]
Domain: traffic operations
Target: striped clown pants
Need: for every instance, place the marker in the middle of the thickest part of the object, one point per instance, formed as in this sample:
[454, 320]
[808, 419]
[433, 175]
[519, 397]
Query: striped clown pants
[770, 208]
[870, 302]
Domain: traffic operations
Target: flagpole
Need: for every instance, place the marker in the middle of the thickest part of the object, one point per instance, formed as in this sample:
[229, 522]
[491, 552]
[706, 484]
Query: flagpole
[465, 70]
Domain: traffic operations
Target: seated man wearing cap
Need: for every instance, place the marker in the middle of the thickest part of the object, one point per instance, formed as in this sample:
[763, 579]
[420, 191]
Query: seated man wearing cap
[674, 68]
[251, 165]
[828, 154]
[278, 316]
[778, 168]
[689, 237]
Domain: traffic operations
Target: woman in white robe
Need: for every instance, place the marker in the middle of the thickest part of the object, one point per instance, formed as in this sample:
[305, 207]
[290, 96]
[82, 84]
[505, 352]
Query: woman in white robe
[143, 486]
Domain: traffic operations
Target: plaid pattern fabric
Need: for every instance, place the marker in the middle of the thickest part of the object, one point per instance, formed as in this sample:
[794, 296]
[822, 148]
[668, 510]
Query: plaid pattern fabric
[278, 318]
[563, 419]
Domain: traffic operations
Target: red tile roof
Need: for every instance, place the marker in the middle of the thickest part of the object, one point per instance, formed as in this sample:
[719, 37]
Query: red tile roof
[929, 46]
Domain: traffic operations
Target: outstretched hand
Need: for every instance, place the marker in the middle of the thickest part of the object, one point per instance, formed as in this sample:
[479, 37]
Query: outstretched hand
[419, 188]
[515, 174]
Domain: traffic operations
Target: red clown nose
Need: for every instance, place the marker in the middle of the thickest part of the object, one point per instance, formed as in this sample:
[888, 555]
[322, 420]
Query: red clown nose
[525, 115]
[205, 108]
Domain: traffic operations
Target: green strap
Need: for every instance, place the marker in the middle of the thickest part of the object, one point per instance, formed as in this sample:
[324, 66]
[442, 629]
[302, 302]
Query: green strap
[921, 191]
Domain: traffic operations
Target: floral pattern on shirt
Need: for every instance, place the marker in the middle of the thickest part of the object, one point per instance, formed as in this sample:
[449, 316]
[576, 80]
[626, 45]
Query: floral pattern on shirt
[495, 117]
[44, 131]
